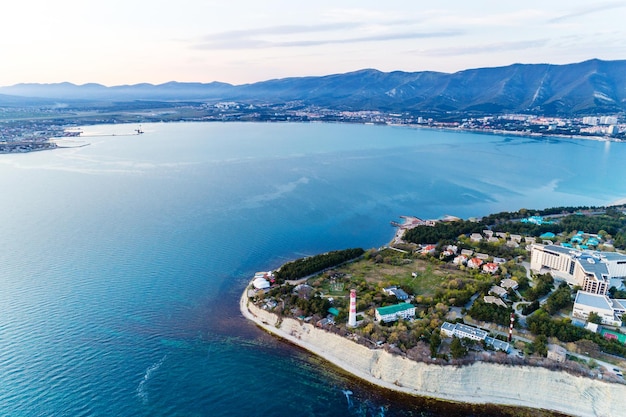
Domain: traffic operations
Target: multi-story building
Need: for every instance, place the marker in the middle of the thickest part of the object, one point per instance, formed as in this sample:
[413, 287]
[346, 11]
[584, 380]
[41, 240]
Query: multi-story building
[392, 313]
[594, 271]
[610, 311]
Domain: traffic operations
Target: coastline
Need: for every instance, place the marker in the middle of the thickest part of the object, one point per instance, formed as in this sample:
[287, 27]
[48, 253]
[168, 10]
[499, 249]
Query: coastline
[479, 383]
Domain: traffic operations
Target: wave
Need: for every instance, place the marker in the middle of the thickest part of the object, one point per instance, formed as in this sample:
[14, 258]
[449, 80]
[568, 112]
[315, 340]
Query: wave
[142, 392]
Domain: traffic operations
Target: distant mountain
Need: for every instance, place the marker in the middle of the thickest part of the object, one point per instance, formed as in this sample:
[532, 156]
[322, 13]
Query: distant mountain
[588, 87]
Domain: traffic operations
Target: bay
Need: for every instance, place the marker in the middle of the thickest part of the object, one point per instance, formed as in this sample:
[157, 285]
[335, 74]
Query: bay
[123, 261]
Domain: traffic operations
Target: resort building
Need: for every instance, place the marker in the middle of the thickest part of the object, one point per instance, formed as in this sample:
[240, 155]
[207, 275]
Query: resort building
[609, 310]
[463, 331]
[392, 313]
[490, 299]
[497, 290]
[398, 292]
[509, 284]
[593, 271]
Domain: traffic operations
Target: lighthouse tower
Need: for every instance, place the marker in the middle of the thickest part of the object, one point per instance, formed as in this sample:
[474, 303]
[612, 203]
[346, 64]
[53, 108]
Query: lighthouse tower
[352, 315]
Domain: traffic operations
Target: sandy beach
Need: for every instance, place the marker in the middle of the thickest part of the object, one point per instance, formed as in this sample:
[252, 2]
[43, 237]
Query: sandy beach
[479, 383]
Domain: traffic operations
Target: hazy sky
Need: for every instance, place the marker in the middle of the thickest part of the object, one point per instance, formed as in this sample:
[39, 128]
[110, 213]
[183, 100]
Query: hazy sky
[117, 42]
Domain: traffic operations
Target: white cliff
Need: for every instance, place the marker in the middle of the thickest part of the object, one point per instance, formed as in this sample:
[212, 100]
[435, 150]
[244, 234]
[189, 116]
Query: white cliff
[523, 386]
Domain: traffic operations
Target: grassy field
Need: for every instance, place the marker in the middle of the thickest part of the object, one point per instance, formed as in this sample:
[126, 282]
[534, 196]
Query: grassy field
[421, 276]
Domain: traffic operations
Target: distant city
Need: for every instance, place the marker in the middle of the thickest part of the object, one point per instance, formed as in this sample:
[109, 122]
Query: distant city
[30, 129]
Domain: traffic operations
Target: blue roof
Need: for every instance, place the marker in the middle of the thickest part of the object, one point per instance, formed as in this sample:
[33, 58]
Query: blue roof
[547, 235]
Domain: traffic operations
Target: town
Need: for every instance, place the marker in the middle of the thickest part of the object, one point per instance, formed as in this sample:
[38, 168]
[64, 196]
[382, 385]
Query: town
[555, 300]
[24, 129]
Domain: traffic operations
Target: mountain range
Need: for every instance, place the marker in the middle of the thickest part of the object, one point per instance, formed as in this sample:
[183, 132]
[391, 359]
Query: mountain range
[589, 87]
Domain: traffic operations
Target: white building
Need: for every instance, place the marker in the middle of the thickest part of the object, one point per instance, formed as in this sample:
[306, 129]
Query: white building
[392, 313]
[463, 331]
[593, 271]
[610, 311]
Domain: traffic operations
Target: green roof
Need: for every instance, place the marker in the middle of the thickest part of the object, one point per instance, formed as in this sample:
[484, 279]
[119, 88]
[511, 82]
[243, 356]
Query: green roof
[383, 311]
[333, 311]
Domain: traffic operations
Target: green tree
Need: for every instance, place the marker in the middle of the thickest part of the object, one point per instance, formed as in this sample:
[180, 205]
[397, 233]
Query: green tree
[594, 318]
[435, 342]
[457, 349]
[540, 345]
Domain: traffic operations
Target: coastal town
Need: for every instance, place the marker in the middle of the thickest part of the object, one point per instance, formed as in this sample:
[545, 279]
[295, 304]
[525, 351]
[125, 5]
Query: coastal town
[544, 300]
[30, 129]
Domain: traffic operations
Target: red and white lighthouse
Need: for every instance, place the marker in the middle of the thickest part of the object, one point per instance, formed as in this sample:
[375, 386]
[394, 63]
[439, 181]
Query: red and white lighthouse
[352, 315]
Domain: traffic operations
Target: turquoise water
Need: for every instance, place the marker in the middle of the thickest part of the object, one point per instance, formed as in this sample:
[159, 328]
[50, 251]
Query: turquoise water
[122, 261]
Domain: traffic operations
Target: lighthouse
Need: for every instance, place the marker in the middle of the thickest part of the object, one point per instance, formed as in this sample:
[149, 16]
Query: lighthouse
[352, 315]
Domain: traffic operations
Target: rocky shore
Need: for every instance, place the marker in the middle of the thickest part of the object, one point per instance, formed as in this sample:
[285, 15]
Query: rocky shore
[479, 383]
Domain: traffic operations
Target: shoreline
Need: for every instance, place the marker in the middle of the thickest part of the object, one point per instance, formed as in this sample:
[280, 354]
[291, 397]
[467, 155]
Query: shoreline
[478, 383]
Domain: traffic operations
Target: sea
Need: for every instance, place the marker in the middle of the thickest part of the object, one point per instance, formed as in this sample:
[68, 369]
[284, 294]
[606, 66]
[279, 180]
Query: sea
[122, 262]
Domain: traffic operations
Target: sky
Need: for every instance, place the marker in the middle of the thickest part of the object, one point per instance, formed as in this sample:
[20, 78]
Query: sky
[117, 42]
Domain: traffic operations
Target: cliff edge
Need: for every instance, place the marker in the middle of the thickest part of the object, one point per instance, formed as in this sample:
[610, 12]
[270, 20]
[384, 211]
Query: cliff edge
[479, 383]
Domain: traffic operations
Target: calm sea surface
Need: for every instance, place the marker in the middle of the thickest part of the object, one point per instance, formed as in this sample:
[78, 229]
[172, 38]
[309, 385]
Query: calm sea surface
[121, 262]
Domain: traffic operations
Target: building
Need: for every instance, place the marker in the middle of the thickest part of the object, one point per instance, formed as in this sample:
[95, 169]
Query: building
[490, 267]
[460, 260]
[474, 263]
[509, 284]
[557, 353]
[499, 291]
[398, 292]
[490, 299]
[392, 313]
[593, 271]
[463, 331]
[610, 311]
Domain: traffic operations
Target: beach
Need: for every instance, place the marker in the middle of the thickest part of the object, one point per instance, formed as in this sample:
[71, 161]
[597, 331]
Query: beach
[479, 383]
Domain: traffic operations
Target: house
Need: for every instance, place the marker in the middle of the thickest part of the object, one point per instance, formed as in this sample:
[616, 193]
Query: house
[490, 267]
[474, 263]
[501, 235]
[428, 249]
[516, 238]
[488, 233]
[490, 299]
[610, 311]
[509, 284]
[482, 256]
[499, 291]
[557, 353]
[398, 292]
[394, 312]
[476, 237]
[467, 252]
[460, 260]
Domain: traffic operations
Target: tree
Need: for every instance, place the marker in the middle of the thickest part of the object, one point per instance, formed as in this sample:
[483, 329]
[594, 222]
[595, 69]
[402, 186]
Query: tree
[594, 318]
[457, 349]
[435, 341]
[540, 345]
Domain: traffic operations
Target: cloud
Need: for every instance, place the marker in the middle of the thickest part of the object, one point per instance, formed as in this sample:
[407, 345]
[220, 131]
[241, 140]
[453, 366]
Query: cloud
[312, 35]
[486, 48]
[595, 8]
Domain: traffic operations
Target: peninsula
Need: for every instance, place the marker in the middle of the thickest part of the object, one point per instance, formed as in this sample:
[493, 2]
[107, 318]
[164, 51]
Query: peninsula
[456, 348]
